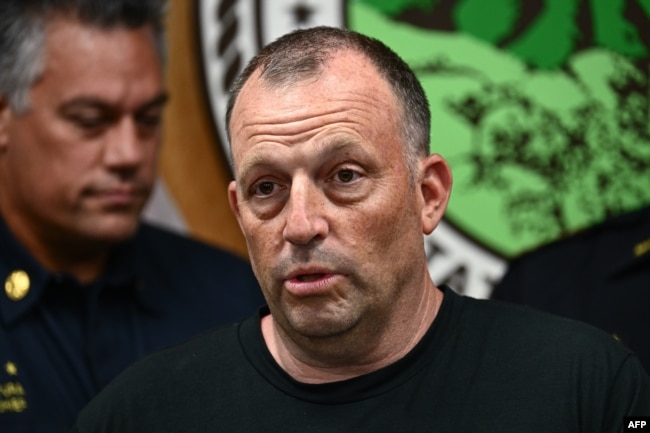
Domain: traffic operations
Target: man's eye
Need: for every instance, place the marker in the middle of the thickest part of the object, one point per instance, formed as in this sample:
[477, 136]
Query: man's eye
[89, 122]
[346, 176]
[265, 188]
[149, 120]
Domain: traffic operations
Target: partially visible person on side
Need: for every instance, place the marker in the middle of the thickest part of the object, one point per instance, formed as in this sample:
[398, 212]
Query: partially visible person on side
[334, 189]
[87, 288]
[599, 275]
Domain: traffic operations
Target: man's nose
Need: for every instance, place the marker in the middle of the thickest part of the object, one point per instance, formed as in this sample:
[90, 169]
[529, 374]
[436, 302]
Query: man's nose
[125, 145]
[305, 214]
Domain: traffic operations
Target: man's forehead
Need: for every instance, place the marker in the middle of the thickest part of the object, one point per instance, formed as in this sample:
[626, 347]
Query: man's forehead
[349, 81]
[110, 66]
[346, 66]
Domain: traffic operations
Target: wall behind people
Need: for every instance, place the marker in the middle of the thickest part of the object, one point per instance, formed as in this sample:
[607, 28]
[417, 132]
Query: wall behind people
[191, 194]
[540, 106]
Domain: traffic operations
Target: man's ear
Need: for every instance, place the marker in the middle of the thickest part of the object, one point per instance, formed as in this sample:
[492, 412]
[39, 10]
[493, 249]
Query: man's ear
[435, 187]
[232, 200]
[5, 117]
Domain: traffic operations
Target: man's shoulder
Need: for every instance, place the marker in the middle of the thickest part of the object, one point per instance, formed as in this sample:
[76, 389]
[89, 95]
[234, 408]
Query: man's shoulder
[522, 326]
[175, 376]
[185, 362]
[523, 345]
[215, 346]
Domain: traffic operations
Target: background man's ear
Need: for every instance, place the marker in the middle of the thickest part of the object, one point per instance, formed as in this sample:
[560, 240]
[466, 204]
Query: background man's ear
[232, 199]
[436, 189]
[5, 117]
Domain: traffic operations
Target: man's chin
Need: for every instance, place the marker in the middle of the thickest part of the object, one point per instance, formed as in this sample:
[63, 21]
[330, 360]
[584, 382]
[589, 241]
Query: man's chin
[114, 231]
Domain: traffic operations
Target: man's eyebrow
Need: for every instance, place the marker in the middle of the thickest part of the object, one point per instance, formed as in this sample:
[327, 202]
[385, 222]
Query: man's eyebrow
[254, 162]
[331, 146]
[158, 101]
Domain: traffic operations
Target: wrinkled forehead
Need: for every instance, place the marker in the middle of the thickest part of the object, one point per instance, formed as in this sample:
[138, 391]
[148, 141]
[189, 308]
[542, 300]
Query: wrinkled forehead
[349, 98]
[285, 71]
[345, 74]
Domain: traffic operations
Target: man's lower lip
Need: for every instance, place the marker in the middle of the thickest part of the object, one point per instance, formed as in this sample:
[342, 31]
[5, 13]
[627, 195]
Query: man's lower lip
[118, 198]
[314, 287]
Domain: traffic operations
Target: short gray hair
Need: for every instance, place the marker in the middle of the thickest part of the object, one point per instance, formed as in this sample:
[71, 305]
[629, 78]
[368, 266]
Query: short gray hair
[303, 54]
[22, 35]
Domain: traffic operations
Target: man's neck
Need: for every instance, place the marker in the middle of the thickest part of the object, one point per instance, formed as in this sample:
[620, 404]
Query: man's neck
[84, 260]
[324, 361]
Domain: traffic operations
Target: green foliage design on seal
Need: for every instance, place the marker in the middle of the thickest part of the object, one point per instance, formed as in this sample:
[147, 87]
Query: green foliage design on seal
[542, 108]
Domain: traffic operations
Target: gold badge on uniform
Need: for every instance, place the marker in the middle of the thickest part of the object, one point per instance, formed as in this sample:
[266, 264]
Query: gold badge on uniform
[17, 285]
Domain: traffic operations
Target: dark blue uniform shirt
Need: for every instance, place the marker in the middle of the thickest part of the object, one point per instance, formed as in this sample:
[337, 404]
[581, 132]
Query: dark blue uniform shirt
[61, 341]
[600, 276]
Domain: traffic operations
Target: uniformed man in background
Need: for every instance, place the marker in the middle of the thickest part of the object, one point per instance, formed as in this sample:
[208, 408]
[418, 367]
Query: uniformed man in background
[87, 287]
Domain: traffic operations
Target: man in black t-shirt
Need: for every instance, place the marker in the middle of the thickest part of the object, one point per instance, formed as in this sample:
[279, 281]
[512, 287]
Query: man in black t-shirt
[334, 189]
